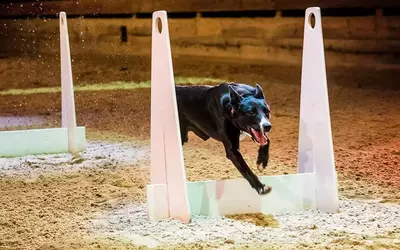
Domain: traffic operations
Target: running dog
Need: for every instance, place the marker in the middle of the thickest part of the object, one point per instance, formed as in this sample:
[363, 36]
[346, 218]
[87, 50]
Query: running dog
[227, 113]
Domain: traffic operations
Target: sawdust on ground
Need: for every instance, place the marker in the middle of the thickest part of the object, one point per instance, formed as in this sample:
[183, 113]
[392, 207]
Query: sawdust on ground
[258, 219]
[50, 211]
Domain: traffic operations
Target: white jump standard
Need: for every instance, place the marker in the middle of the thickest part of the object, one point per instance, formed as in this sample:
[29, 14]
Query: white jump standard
[68, 138]
[314, 186]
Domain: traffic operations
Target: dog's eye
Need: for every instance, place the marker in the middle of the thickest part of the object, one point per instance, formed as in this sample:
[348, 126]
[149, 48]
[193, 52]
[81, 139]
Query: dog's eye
[253, 111]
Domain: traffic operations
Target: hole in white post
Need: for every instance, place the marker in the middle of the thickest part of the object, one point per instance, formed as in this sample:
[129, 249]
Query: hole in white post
[311, 20]
[159, 25]
[62, 20]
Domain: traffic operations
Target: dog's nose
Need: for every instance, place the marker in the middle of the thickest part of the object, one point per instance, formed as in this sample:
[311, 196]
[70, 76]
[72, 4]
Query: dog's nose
[267, 127]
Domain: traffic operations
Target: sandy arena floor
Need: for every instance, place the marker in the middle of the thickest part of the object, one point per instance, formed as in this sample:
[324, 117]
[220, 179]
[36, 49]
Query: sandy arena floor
[96, 201]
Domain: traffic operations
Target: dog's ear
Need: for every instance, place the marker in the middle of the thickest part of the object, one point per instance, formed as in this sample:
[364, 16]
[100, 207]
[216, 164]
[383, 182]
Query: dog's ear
[259, 92]
[235, 97]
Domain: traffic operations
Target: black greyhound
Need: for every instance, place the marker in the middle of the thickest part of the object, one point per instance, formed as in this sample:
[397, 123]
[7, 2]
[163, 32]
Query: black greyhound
[225, 113]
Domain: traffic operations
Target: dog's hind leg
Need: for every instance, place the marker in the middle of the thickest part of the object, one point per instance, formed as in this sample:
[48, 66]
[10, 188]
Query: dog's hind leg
[200, 133]
[184, 132]
[184, 136]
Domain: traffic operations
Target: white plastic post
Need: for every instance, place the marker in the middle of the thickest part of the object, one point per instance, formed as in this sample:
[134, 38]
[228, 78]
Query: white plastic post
[167, 163]
[68, 118]
[315, 138]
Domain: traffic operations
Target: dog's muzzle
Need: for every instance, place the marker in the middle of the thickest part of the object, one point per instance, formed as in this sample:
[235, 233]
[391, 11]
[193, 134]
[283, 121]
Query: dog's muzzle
[259, 137]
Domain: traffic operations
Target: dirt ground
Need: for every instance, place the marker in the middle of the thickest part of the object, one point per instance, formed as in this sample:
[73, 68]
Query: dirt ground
[51, 211]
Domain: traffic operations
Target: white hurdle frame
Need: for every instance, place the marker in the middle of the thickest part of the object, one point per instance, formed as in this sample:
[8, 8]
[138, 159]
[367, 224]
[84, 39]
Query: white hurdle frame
[315, 152]
[167, 164]
[314, 186]
[68, 138]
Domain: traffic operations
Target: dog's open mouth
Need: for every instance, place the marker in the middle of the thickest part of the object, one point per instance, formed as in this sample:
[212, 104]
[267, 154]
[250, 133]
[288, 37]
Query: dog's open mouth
[259, 137]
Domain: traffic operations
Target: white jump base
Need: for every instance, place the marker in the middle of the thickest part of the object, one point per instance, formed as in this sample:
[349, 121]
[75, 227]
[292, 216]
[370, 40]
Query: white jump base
[39, 141]
[69, 138]
[215, 198]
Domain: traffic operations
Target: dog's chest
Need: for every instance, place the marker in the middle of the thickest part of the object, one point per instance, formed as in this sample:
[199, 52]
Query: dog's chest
[243, 135]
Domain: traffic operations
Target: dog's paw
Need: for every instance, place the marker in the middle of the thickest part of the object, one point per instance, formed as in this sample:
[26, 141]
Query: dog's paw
[260, 167]
[264, 190]
[262, 163]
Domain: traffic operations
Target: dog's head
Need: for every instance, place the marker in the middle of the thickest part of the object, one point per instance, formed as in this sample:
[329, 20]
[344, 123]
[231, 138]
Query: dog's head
[249, 111]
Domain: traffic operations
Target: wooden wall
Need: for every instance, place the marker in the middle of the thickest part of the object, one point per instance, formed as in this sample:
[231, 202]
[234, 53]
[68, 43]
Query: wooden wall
[371, 39]
[107, 7]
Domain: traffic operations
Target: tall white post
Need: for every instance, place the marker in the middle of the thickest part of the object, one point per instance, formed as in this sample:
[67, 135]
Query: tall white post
[68, 118]
[315, 135]
[167, 163]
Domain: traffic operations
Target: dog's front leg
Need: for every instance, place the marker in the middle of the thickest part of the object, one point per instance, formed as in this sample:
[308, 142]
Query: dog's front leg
[263, 156]
[233, 154]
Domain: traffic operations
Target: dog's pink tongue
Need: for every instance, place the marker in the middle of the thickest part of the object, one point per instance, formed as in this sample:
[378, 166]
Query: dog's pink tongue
[261, 139]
